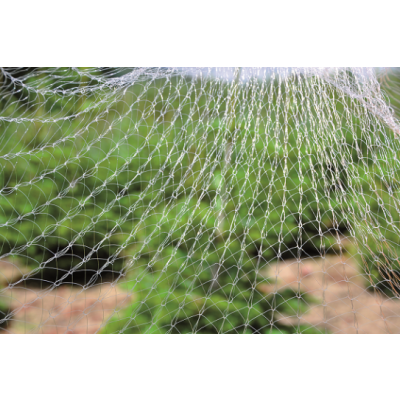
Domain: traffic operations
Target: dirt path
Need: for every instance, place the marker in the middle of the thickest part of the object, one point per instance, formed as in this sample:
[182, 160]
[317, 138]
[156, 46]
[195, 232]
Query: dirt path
[337, 287]
[341, 302]
[66, 309]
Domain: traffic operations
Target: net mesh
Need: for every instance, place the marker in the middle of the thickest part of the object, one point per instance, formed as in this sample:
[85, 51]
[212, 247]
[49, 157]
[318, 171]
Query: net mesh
[199, 200]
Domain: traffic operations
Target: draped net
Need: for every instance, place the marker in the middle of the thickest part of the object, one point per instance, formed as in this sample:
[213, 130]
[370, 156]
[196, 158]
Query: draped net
[199, 200]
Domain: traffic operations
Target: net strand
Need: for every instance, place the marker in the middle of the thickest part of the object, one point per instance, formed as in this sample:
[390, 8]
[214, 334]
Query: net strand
[199, 200]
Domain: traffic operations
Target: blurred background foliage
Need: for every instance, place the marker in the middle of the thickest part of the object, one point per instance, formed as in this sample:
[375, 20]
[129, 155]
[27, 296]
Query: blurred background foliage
[342, 174]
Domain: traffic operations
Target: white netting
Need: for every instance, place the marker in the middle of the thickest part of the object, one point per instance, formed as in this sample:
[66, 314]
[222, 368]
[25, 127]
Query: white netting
[199, 200]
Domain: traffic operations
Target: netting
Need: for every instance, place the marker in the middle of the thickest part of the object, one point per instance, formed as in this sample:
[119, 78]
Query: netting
[199, 200]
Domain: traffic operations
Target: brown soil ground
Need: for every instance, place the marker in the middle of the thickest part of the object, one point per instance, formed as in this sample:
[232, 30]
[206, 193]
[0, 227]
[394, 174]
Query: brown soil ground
[340, 302]
[66, 309]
